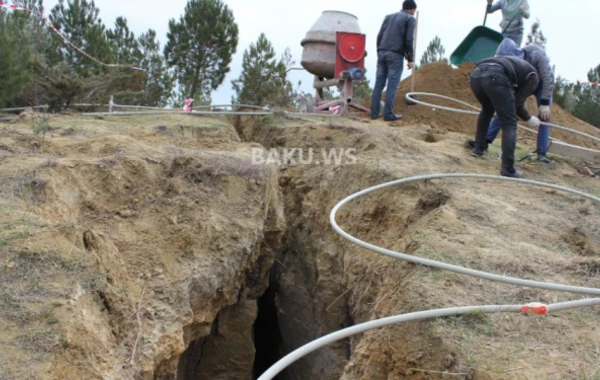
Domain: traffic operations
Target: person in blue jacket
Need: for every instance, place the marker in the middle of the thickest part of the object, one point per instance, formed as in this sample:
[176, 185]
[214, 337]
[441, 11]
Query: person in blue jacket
[538, 58]
[513, 13]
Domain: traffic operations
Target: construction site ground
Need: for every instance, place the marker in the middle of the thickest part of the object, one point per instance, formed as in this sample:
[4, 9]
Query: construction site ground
[152, 247]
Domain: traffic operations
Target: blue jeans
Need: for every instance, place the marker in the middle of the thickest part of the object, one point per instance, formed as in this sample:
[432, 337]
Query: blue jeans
[389, 68]
[543, 138]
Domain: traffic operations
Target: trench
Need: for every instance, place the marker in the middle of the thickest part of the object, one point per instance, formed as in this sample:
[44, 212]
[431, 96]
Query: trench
[266, 331]
[302, 300]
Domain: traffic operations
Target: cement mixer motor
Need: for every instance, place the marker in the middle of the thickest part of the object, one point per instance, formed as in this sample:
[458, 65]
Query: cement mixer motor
[334, 52]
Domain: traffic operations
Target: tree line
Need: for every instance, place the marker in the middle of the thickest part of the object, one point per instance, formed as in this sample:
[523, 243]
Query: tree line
[38, 67]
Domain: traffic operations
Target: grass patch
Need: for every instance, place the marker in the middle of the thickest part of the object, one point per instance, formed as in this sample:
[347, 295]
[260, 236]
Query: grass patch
[26, 186]
[478, 322]
[26, 295]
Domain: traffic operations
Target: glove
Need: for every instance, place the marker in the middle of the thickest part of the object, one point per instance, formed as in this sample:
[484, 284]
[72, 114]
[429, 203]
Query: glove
[534, 122]
[544, 112]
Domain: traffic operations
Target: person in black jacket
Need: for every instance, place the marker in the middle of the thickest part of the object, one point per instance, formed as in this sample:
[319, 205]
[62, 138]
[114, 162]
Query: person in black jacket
[502, 84]
[394, 43]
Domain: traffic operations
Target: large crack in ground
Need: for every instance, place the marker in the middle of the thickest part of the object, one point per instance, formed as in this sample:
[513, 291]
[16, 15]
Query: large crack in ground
[225, 305]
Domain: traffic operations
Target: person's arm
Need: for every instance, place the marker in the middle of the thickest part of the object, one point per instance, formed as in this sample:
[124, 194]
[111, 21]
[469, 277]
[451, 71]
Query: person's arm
[542, 64]
[496, 6]
[381, 31]
[523, 92]
[525, 8]
[409, 41]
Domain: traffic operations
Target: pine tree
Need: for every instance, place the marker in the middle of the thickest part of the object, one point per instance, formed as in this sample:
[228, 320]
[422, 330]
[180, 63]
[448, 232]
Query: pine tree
[79, 22]
[158, 89]
[434, 53]
[588, 99]
[200, 46]
[15, 59]
[536, 36]
[126, 48]
[263, 80]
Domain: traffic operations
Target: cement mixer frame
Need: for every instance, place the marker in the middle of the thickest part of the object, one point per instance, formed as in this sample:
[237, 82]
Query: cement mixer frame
[349, 66]
[334, 52]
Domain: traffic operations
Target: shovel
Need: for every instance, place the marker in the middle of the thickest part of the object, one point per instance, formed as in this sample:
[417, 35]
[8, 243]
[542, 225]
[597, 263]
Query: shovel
[412, 76]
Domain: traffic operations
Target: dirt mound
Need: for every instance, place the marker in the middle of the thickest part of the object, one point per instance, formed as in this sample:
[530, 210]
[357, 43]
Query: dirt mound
[29, 116]
[440, 78]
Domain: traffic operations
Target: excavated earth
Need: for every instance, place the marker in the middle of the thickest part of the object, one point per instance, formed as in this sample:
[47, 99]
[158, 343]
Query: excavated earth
[159, 247]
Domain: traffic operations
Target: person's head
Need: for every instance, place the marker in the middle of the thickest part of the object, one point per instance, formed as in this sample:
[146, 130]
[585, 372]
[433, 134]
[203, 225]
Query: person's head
[510, 48]
[409, 6]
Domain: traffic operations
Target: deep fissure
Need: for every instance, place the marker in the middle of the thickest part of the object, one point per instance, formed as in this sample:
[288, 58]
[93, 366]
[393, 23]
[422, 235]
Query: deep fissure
[267, 336]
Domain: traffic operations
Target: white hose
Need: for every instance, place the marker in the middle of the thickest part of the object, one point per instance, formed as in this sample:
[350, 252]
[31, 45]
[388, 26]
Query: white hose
[382, 322]
[454, 268]
[347, 332]
[344, 333]
[451, 109]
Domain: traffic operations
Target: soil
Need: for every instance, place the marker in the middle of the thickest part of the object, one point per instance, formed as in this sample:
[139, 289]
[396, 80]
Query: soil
[141, 247]
[442, 79]
[327, 283]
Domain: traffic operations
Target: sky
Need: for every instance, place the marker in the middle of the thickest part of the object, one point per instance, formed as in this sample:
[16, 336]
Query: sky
[571, 28]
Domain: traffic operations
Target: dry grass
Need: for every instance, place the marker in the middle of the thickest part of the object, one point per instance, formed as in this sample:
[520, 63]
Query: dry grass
[25, 294]
[24, 184]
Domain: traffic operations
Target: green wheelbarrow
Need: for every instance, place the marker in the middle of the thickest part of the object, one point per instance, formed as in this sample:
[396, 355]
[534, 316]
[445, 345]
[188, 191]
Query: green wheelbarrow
[480, 44]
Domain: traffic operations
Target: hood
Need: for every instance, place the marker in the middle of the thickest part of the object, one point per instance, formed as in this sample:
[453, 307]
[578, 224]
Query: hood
[509, 47]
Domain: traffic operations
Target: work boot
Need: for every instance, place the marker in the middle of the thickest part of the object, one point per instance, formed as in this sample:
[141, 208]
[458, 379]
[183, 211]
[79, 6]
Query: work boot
[393, 118]
[471, 144]
[542, 158]
[513, 173]
[477, 152]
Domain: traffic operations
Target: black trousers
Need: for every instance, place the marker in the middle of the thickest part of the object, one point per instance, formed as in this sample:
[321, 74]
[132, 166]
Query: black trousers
[494, 91]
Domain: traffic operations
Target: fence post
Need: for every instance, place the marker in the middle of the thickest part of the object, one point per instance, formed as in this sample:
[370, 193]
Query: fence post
[110, 104]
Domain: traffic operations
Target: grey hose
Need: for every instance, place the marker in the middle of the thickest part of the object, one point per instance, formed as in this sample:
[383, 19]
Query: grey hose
[451, 109]
[382, 322]
[344, 333]
[454, 268]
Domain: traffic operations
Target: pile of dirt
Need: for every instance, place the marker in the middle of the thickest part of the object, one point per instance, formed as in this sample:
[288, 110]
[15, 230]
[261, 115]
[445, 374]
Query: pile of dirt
[440, 78]
[29, 116]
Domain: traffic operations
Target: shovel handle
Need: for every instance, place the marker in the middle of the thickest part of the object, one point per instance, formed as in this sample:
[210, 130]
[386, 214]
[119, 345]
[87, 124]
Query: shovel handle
[412, 85]
[486, 13]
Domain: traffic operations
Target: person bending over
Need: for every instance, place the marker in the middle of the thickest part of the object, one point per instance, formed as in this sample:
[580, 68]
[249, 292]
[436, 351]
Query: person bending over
[501, 85]
[537, 57]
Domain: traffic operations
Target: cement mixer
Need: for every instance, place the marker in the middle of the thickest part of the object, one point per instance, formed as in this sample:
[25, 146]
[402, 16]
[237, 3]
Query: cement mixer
[334, 52]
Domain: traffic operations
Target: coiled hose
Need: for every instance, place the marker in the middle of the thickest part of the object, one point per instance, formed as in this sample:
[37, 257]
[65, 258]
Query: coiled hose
[436, 313]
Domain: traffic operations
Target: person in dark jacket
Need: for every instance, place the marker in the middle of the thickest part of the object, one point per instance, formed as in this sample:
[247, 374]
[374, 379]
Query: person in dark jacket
[394, 44]
[543, 94]
[502, 85]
